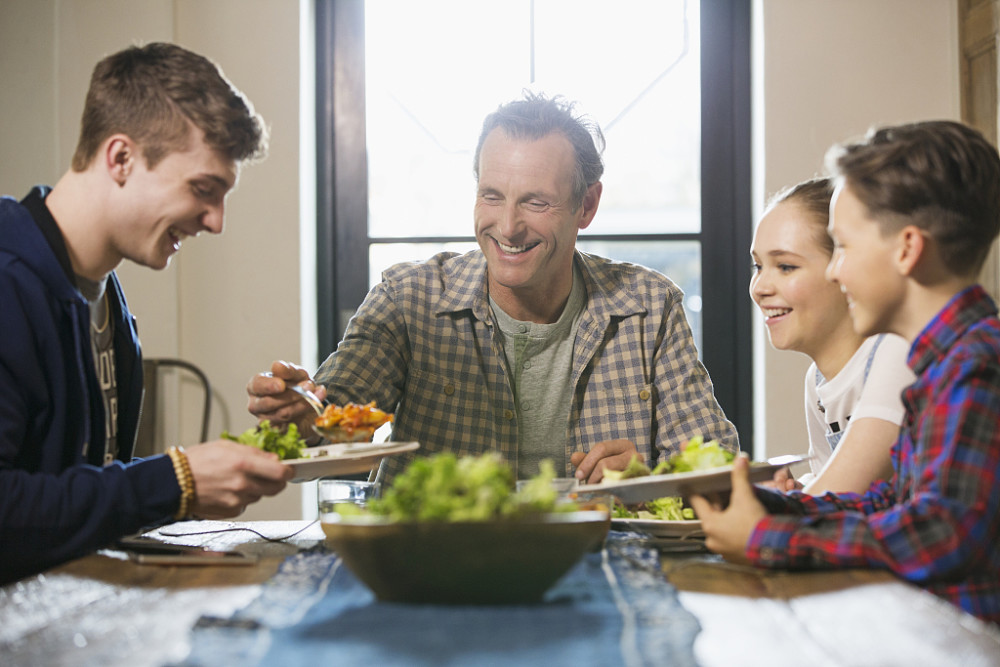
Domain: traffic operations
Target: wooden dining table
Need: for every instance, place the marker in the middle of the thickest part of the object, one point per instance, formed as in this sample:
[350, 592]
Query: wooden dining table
[104, 609]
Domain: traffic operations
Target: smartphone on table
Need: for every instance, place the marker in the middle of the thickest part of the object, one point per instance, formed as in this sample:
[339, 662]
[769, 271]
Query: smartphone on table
[149, 551]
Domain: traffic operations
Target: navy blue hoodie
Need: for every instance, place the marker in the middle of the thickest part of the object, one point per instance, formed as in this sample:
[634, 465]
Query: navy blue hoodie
[55, 503]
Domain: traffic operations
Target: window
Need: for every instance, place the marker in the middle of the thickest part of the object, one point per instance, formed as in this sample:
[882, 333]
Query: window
[401, 98]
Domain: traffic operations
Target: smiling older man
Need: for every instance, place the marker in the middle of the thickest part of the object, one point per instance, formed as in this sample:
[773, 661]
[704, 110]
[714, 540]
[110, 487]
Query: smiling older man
[526, 347]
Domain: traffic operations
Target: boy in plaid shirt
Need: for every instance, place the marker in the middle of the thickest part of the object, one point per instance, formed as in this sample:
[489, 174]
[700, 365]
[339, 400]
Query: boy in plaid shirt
[914, 213]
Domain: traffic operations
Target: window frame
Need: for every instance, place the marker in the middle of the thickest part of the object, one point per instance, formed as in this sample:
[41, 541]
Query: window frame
[342, 238]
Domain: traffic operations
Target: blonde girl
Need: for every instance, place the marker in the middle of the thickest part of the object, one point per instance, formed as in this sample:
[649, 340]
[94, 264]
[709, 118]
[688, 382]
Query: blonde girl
[853, 386]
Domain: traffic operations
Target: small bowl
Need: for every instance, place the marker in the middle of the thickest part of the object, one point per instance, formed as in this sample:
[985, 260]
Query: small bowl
[492, 562]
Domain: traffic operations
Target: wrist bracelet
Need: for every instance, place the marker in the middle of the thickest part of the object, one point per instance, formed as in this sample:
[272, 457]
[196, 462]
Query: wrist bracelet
[182, 469]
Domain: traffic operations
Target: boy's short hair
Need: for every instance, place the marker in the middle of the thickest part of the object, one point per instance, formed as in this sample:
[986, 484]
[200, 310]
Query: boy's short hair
[942, 176]
[154, 93]
[536, 116]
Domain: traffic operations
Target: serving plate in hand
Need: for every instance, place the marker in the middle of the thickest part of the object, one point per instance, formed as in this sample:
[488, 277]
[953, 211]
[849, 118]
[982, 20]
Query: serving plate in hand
[345, 458]
[684, 484]
[505, 561]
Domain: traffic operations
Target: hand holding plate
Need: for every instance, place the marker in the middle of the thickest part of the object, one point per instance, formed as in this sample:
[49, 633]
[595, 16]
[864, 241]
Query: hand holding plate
[728, 530]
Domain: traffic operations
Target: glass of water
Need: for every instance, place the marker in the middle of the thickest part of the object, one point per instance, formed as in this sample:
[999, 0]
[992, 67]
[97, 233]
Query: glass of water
[333, 492]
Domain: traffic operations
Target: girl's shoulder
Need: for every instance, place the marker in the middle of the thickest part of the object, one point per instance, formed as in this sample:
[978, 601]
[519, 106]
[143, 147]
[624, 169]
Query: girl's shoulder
[888, 345]
[887, 354]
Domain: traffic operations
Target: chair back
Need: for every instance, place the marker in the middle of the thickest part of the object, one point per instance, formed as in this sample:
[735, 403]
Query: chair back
[163, 379]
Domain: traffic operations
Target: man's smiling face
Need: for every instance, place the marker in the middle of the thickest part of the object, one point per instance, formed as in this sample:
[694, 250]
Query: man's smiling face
[525, 218]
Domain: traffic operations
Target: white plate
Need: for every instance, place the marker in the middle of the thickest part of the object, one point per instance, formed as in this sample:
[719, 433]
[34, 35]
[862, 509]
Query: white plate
[345, 458]
[658, 528]
[684, 484]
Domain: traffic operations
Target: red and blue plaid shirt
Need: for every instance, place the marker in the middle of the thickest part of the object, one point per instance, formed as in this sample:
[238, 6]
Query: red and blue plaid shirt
[936, 523]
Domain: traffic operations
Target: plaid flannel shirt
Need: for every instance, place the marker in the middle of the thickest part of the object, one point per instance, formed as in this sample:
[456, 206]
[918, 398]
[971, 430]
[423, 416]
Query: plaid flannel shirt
[936, 523]
[423, 345]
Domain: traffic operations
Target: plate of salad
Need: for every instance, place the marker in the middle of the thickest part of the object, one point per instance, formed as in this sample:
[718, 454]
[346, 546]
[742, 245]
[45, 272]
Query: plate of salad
[683, 529]
[700, 467]
[660, 517]
[344, 458]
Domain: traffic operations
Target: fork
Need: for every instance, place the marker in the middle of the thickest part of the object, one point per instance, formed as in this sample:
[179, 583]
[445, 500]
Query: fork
[309, 397]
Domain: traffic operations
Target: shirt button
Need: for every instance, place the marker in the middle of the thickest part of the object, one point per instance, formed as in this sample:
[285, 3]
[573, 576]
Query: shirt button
[644, 395]
[526, 405]
[767, 554]
[526, 364]
[508, 414]
[523, 328]
[449, 389]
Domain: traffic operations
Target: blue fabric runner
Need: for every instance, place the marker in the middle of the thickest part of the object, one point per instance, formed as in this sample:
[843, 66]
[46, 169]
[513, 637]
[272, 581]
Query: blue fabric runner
[612, 608]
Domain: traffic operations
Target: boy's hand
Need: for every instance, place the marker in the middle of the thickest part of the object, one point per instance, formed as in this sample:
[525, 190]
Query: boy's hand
[728, 530]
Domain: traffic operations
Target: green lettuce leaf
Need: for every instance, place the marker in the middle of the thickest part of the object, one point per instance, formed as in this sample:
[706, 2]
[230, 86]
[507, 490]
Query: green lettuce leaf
[286, 444]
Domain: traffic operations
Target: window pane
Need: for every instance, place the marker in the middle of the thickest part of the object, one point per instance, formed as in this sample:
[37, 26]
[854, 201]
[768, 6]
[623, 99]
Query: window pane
[678, 260]
[383, 255]
[639, 80]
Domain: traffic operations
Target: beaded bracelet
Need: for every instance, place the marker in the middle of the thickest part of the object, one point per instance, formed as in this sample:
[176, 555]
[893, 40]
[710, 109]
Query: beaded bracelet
[182, 469]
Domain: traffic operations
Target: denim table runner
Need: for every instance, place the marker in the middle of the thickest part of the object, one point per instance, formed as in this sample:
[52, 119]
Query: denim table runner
[613, 608]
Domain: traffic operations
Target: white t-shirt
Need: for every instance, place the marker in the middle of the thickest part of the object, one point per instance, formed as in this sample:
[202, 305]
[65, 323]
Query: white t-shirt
[869, 385]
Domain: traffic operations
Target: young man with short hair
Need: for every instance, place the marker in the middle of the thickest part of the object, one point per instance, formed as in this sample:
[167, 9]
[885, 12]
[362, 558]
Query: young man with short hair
[162, 139]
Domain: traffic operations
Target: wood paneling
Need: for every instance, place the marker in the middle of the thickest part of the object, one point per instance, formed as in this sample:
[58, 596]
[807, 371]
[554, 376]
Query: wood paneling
[978, 22]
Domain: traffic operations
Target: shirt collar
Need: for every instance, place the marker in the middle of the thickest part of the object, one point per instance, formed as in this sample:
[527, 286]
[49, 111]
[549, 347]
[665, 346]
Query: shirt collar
[467, 289]
[965, 309]
[35, 203]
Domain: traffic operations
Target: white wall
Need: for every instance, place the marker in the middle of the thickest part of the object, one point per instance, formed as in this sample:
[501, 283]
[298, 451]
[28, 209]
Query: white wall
[829, 69]
[826, 71]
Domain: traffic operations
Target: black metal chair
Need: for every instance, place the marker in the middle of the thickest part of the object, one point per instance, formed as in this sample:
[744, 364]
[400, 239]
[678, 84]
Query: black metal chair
[153, 374]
